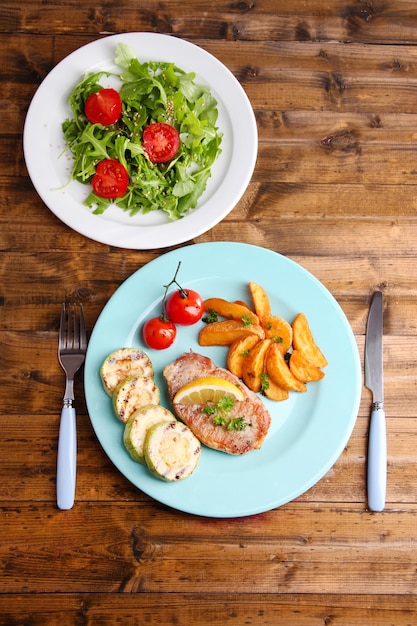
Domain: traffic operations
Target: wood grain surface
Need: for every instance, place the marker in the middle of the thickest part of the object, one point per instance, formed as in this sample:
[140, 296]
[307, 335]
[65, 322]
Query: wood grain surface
[334, 89]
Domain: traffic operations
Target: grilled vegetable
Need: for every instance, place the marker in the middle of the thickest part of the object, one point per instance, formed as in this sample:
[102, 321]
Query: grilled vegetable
[133, 393]
[171, 451]
[138, 425]
[123, 363]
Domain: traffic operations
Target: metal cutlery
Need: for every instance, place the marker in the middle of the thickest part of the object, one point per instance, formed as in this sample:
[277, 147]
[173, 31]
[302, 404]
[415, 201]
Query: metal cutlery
[72, 347]
[374, 380]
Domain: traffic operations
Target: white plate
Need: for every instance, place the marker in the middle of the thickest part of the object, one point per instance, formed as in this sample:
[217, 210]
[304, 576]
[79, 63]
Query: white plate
[308, 431]
[49, 165]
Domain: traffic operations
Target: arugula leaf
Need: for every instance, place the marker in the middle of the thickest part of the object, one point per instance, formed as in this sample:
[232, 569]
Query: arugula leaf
[124, 55]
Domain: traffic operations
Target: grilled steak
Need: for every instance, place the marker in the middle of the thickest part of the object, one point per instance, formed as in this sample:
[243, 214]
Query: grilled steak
[191, 366]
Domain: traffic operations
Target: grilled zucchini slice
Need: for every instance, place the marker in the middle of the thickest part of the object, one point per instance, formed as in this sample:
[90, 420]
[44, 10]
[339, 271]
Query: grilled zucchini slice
[171, 451]
[121, 364]
[133, 393]
[138, 425]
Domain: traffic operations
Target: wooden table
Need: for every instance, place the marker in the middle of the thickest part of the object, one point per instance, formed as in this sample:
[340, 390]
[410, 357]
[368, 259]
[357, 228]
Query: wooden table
[334, 89]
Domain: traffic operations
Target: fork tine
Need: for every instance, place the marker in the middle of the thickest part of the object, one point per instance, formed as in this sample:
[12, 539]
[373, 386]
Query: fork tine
[71, 326]
[83, 332]
[62, 328]
[72, 331]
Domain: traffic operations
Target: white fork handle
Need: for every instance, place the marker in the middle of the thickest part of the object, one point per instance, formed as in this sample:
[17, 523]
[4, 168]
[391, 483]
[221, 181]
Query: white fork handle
[67, 458]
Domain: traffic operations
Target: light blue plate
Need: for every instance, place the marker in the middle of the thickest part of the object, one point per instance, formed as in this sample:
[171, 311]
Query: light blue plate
[308, 431]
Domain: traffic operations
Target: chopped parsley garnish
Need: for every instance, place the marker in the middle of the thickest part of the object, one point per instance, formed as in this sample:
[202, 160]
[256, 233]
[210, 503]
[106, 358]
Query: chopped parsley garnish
[211, 317]
[220, 420]
[264, 381]
[238, 423]
[219, 413]
[246, 320]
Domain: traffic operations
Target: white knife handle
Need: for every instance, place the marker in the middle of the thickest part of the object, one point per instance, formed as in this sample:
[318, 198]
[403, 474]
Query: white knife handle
[66, 464]
[377, 458]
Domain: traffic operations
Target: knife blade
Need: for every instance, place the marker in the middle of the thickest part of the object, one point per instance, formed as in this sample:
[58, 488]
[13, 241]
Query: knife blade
[374, 381]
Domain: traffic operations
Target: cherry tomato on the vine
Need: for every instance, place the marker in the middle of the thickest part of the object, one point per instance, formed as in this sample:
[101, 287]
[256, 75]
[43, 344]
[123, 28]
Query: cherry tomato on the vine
[110, 180]
[184, 307]
[103, 107]
[161, 142]
[159, 333]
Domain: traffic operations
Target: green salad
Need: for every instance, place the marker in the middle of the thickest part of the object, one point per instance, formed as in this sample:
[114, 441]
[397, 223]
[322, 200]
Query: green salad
[156, 100]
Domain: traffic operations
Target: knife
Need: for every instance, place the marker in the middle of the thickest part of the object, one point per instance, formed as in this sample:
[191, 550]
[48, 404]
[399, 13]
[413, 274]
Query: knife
[374, 381]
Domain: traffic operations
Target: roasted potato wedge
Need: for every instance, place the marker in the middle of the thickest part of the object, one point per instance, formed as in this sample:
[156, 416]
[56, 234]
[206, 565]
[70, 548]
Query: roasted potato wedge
[224, 333]
[231, 310]
[238, 352]
[304, 342]
[273, 391]
[243, 304]
[253, 365]
[302, 369]
[261, 302]
[279, 330]
[279, 372]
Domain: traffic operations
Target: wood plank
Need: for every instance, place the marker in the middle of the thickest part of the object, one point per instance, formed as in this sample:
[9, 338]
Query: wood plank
[333, 215]
[205, 609]
[138, 551]
[241, 21]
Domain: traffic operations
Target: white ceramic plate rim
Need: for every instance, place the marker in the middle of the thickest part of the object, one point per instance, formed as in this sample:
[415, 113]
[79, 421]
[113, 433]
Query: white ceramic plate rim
[308, 431]
[49, 164]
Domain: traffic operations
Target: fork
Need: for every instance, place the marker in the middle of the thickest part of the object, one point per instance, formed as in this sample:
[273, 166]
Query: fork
[72, 347]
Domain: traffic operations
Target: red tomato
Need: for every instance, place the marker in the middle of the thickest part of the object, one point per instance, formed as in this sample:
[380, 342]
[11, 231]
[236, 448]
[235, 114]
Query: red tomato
[110, 180]
[103, 107]
[159, 333]
[160, 142]
[184, 307]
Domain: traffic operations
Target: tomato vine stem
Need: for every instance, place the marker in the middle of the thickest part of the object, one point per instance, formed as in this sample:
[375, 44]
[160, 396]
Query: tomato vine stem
[182, 291]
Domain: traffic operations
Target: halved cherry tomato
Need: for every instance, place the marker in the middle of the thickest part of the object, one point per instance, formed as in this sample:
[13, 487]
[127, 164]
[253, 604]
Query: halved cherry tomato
[161, 142]
[184, 307]
[159, 333]
[103, 107]
[110, 180]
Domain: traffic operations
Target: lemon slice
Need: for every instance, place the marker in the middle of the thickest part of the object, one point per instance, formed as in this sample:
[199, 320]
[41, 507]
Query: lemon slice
[209, 389]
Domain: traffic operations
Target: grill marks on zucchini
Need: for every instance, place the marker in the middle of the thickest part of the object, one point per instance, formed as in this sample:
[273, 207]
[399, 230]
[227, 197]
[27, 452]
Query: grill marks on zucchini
[133, 393]
[121, 364]
[138, 425]
[152, 435]
[171, 451]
